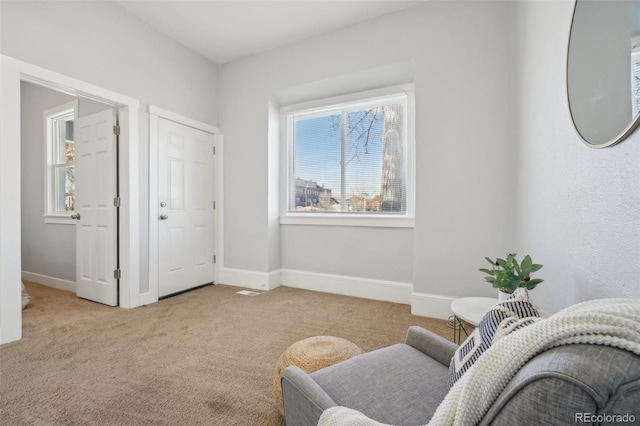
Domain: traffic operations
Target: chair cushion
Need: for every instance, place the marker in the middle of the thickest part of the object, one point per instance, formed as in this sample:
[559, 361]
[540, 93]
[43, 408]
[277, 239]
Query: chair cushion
[395, 385]
[507, 316]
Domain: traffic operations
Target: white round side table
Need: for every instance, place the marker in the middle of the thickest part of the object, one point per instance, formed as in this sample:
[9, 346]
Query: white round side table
[469, 310]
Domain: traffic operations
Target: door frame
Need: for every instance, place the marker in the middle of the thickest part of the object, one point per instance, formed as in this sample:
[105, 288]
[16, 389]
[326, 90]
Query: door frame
[155, 114]
[12, 72]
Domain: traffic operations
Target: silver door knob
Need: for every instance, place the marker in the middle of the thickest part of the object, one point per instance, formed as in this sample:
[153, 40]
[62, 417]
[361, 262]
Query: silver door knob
[164, 217]
[75, 216]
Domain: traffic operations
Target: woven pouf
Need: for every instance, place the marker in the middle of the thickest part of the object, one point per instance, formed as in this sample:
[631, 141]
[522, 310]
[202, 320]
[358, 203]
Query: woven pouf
[311, 355]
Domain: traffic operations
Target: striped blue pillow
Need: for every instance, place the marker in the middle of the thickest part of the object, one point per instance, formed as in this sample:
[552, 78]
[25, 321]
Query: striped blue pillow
[514, 313]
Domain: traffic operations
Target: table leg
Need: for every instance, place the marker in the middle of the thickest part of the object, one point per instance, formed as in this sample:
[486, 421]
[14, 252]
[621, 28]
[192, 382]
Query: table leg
[457, 324]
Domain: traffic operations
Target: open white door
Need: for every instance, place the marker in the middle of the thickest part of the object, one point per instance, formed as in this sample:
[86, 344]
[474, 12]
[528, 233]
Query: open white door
[186, 210]
[95, 143]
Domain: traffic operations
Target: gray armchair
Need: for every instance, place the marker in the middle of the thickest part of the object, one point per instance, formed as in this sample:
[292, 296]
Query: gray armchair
[403, 384]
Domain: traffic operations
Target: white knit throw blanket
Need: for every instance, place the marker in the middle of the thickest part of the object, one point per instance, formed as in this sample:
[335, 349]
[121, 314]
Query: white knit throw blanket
[610, 322]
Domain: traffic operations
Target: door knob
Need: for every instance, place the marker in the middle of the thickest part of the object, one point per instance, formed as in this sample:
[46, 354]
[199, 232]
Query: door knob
[75, 216]
[164, 217]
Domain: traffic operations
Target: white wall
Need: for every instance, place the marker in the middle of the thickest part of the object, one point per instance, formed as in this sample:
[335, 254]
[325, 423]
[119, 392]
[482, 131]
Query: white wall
[460, 59]
[102, 44]
[47, 249]
[578, 208]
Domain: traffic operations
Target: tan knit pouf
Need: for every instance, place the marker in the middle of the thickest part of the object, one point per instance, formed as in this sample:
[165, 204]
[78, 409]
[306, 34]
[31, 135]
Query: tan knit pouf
[311, 355]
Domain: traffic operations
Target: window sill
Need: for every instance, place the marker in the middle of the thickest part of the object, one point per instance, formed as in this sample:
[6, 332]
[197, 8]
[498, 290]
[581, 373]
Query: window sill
[348, 220]
[59, 219]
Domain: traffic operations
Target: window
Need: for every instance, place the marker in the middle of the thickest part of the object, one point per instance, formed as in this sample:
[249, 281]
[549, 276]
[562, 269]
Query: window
[635, 76]
[351, 157]
[60, 169]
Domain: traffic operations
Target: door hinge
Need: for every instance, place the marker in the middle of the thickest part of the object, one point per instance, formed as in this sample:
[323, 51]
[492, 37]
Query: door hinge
[214, 205]
[214, 258]
[116, 130]
[116, 202]
[116, 274]
[214, 150]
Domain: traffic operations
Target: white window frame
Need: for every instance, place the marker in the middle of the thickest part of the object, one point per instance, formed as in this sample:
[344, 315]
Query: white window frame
[51, 215]
[405, 220]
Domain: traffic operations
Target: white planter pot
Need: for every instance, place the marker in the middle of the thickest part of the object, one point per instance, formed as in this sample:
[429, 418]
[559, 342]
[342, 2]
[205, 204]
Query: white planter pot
[503, 296]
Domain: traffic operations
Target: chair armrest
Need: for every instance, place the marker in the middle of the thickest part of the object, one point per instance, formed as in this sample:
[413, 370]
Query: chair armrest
[431, 344]
[304, 400]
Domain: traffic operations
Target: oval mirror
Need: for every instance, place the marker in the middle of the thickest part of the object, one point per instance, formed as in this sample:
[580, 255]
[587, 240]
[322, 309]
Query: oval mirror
[603, 70]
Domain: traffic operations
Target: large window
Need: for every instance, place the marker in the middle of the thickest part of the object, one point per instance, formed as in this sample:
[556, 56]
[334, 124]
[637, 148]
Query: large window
[60, 169]
[351, 156]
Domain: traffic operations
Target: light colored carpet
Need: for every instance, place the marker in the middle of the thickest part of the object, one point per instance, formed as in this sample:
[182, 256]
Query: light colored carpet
[205, 357]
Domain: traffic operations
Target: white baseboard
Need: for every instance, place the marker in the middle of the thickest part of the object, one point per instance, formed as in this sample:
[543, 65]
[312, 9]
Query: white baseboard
[422, 304]
[250, 279]
[275, 279]
[148, 298]
[388, 291]
[49, 281]
[431, 305]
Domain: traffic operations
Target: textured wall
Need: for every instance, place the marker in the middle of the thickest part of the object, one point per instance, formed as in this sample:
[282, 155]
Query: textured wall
[578, 208]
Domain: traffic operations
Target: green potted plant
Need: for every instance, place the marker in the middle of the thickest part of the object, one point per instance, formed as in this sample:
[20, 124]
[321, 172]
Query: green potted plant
[507, 274]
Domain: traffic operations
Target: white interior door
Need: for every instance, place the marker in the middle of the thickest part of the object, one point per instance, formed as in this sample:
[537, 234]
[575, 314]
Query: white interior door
[96, 187]
[186, 210]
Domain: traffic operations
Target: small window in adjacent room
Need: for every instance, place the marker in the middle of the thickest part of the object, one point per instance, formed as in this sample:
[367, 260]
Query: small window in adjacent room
[351, 158]
[60, 169]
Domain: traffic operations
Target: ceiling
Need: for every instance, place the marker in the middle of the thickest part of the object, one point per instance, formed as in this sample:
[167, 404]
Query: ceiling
[224, 31]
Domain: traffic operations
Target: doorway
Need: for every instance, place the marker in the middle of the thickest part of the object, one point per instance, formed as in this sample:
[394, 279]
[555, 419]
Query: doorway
[52, 171]
[12, 73]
